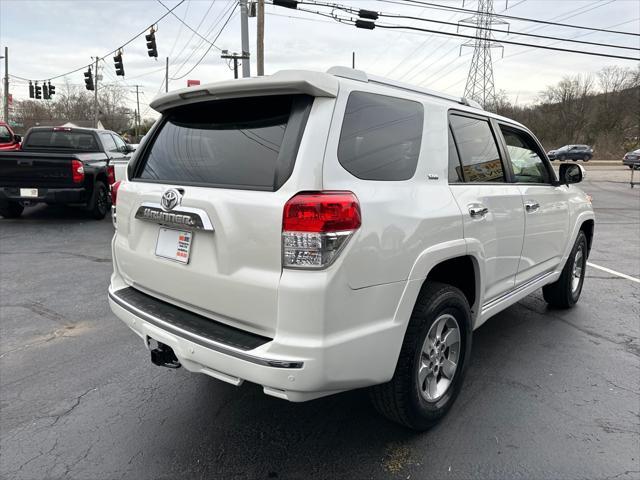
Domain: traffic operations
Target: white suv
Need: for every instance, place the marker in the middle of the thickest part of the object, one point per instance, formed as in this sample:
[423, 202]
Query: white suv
[319, 232]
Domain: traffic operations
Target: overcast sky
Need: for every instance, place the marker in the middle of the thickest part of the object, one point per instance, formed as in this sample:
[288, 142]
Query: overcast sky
[47, 38]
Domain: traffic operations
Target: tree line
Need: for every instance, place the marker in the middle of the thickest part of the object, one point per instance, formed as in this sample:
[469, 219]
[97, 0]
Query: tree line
[72, 103]
[601, 110]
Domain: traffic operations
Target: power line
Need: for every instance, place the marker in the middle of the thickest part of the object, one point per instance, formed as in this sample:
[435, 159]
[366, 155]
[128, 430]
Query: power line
[508, 32]
[215, 23]
[208, 49]
[509, 42]
[111, 52]
[206, 14]
[371, 25]
[355, 11]
[175, 40]
[512, 17]
[187, 25]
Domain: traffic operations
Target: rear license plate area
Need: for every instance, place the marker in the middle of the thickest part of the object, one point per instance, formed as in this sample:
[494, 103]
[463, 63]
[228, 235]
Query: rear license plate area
[174, 244]
[29, 192]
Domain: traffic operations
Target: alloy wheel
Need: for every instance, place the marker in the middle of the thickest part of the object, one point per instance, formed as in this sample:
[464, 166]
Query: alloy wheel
[439, 357]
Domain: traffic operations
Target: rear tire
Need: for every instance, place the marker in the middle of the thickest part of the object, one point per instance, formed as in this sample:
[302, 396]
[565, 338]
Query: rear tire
[100, 202]
[11, 210]
[565, 292]
[432, 360]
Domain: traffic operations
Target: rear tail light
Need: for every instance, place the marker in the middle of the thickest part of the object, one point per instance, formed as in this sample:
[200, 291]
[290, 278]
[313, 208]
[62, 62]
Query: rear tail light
[77, 171]
[316, 226]
[114, 192]
[111, 174]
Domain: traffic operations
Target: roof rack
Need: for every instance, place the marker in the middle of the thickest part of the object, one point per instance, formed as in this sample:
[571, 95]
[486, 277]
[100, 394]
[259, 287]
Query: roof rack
[362, 76]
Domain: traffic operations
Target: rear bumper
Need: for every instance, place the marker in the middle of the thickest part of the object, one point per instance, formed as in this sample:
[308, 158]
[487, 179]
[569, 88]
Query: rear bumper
[48, 195]
[293, 366]
[630, 163]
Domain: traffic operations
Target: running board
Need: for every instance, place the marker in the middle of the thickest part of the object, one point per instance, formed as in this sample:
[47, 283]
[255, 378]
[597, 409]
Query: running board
[514, 295]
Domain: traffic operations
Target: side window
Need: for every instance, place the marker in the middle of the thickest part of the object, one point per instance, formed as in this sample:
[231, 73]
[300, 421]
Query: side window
[5, 135]
[380, 137]
[455, 169]
[525, 157]
[108, 142]
[478, 150]
[120, 143]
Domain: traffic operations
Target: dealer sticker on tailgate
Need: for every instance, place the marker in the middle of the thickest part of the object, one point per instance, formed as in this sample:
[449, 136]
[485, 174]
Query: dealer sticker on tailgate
[174, 244]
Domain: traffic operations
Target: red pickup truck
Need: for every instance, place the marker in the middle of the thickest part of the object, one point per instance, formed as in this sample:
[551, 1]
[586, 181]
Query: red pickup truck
[8, 139]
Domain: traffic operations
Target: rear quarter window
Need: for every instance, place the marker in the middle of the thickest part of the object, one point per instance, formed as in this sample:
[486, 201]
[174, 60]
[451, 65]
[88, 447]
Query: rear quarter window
[380, 137]
[245, 143]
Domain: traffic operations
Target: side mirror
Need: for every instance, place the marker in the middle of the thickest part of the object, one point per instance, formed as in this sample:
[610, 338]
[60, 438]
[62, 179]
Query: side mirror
[17, 138]
[130, 148]
[571, 173]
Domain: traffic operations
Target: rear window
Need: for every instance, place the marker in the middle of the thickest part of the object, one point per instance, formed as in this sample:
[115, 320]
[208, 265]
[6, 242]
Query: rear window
[246, 143]
[61, 139]
[380, 137]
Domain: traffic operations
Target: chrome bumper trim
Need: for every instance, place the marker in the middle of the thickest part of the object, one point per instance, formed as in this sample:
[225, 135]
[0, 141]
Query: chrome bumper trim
[205, 342]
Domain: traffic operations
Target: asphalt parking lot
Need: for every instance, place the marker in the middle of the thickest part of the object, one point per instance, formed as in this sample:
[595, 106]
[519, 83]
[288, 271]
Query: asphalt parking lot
[549, 393]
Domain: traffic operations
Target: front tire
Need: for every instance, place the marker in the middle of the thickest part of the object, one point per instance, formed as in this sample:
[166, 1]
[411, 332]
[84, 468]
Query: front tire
[432, 360]
[565, 292]
[586, 158]
[11, 210]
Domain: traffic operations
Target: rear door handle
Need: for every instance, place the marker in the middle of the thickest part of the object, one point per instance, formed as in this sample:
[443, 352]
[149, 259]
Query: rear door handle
[531, 206]
[477, 210]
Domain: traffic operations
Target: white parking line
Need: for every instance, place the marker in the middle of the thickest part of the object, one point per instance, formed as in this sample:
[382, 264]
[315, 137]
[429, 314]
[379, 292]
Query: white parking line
[608, 270]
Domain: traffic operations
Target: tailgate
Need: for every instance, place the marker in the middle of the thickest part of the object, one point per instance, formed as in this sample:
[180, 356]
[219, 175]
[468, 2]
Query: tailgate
[225, 162]
[232, 272]
[22, 169]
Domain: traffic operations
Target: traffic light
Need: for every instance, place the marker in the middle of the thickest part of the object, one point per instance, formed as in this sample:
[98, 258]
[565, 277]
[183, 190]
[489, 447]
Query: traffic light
[118, 62]
[45, 91]
[88, 79]
[52, 90]
[31, 90]
[151, 43]
[38, 92]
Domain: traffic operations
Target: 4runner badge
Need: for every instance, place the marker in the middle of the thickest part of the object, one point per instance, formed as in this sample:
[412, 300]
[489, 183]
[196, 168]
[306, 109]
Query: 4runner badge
[170, 199]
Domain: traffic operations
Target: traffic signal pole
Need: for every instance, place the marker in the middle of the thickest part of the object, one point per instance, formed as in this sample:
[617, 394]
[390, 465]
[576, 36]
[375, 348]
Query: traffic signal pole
[95, 95]
[6, 84]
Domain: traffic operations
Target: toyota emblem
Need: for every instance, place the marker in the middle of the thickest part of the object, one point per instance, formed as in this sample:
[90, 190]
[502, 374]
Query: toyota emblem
[170, 199]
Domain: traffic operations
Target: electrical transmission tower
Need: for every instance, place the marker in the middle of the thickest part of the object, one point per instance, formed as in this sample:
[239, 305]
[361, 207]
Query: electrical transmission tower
[480, 85]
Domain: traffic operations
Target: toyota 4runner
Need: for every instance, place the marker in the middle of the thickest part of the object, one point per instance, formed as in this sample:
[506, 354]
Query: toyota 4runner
[319, 232]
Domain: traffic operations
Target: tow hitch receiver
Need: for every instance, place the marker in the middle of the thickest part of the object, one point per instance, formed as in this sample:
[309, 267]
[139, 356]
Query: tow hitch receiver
[162, 355]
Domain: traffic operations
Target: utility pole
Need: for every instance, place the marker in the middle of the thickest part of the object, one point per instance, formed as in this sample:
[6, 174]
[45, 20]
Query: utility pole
[6, 84]
[138, 115]
[353, 60]
[260, 39]
[235, 57]
[166, 76]
[95, 95]
[244, 33]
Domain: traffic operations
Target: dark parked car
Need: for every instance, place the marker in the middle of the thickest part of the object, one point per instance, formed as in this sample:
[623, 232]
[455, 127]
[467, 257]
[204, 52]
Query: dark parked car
[61, 165]
[572, 152]
[632, 159]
